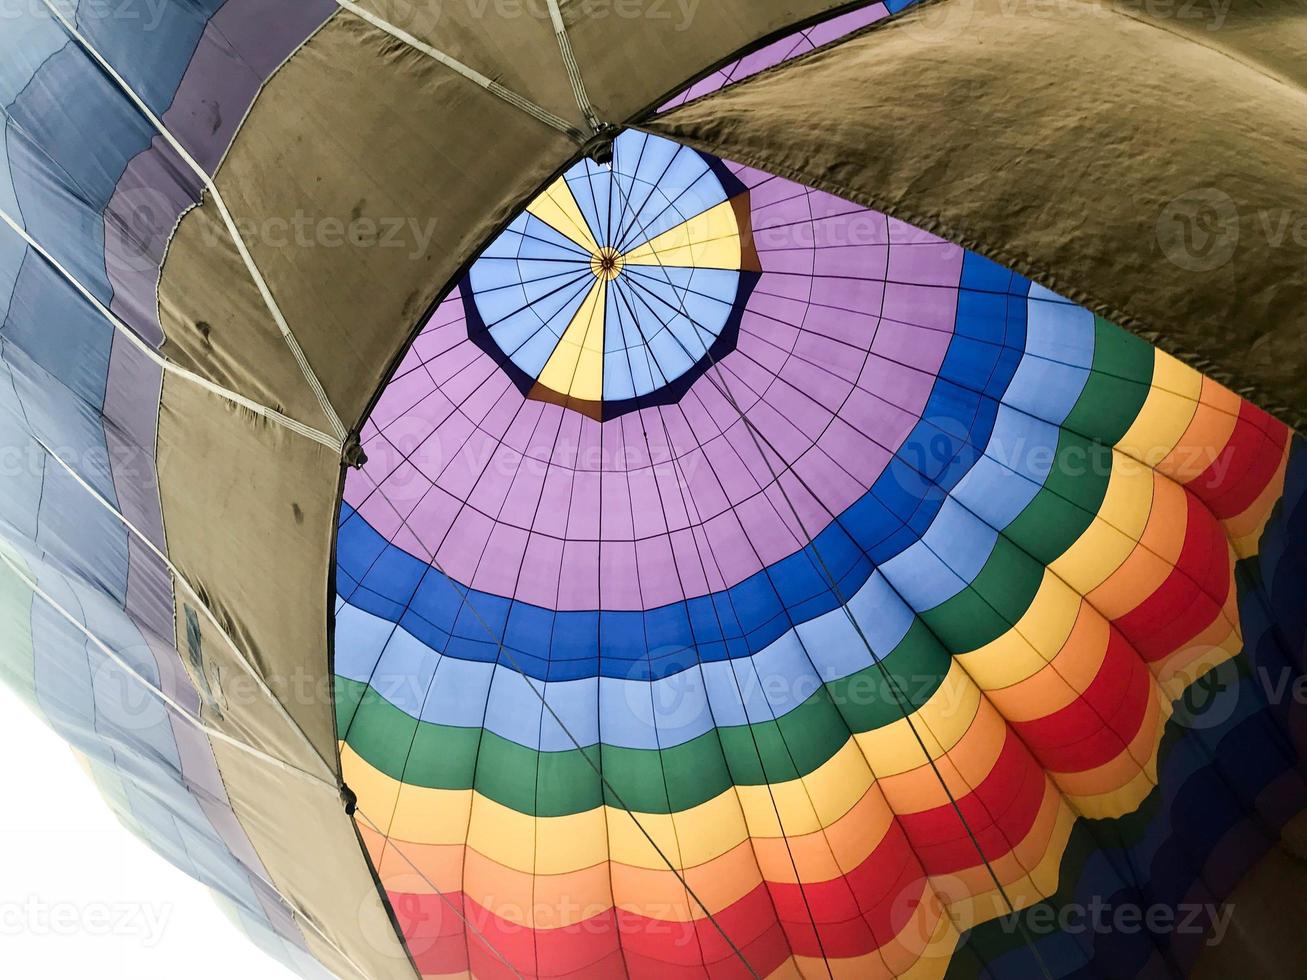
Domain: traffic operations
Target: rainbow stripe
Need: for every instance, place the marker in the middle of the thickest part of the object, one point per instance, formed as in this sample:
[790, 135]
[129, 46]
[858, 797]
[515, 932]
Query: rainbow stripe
[949, 604]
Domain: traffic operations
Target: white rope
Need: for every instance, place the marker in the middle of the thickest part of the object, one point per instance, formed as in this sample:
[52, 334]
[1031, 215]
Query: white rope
[471, 74]
[573, 68]
[262, 410]
[298, 352]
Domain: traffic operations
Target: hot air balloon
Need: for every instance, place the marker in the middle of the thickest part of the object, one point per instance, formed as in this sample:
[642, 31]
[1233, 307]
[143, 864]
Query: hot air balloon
[603, 489]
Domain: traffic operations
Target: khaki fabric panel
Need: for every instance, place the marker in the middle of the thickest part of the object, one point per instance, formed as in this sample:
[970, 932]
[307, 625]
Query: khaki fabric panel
[395, 171]
[631, 53]
[216, 323]
[1265, 35]
[230, 696]
[316, 862]
[1154, 179]
[510, 41]
[634, 53]
[249, 516]
[249, 512]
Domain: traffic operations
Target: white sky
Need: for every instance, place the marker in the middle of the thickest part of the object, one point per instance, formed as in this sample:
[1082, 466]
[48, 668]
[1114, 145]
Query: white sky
[80, 896]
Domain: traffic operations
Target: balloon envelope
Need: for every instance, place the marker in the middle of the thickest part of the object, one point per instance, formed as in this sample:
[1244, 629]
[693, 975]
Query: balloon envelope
[560, 493]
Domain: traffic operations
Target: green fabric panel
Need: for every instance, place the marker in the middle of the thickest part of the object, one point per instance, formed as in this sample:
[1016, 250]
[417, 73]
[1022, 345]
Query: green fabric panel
[559, 783]
[441, 756]
[1066, 506]
[683, 776]
[498, 770]
[987, 608]
[638, 777]
[349, 695]
[742, 748]
[1077, 482]
[1118, 385]
[905, 680]
[690, 785]
[811, 732]
[566, 782]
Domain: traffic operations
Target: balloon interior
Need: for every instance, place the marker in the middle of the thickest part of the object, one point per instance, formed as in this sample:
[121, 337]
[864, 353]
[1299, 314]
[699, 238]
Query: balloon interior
[564, 490]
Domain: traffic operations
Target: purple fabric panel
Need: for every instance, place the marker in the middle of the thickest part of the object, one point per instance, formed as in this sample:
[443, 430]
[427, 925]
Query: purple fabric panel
[151, 195]
[173, 679]
[780, 51]
[837, 350]
[278, 913]
[244, 43]
[132, 402]
[241, 47]
[149, 589]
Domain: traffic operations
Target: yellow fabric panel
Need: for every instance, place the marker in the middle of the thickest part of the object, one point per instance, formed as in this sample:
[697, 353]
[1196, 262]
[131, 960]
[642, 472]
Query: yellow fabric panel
[1207, 434]
[1166, 413]
[807, 804]
[837, 849]
[1066, 676]
[557, 208]
[1114, 532]
[963, 767]
[940, 723]
[1025, 650]
[576, 367]
[1153, 560]
[707, 831]
[430, 818]
[710, 240]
